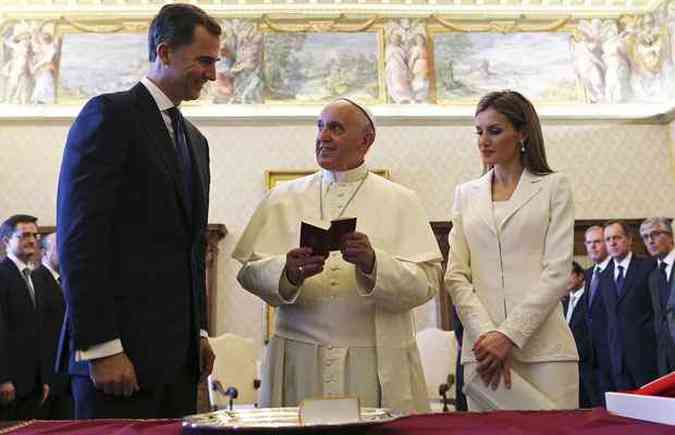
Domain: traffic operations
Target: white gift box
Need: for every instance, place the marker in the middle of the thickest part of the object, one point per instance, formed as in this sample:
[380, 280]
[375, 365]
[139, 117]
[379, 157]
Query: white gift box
[656, 409]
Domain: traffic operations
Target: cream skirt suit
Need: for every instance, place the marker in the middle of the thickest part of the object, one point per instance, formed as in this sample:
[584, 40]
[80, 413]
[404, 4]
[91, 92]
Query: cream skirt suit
[508, 274]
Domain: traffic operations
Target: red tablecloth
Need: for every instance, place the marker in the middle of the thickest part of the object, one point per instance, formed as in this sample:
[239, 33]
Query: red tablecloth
[593, 422]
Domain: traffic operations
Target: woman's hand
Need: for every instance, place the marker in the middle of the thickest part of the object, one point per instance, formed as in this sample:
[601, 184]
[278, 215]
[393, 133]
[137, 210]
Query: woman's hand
[492, 351]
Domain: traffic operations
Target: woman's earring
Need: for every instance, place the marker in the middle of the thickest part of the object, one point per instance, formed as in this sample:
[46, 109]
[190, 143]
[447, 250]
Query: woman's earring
[522, 146]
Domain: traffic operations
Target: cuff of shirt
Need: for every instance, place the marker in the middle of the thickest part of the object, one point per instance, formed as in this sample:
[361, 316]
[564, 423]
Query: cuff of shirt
[203, 333]
[287, 288]
[102, 350]
[365, 282]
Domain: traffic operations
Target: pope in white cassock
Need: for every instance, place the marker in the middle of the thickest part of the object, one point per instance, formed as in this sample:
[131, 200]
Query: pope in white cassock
[344, 325]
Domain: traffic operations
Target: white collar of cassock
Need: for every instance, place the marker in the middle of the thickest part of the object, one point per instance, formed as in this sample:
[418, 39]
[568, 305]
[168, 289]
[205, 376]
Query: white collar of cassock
[348, 176]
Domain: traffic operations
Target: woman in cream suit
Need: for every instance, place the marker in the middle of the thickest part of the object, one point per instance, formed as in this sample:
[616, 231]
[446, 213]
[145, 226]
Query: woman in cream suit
[511, 255]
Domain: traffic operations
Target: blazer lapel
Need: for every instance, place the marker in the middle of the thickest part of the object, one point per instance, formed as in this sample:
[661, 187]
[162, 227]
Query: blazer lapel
[528, 186]
[483, 191]
[159, 140]
[199, 168]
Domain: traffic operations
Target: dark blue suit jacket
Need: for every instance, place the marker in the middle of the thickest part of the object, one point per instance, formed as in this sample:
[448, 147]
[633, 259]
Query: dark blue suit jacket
[132, 247]
[596, 316]
[579, 326]
[52, 309]
[22, 351]
[664, 323]
[634, 317]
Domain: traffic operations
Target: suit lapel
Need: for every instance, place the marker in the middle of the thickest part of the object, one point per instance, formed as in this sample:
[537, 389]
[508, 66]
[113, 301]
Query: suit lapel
[159, 140]
[671, 298]
[528, 186]
[606, 287]
[20, 282]
[199, 168]
[483, 191]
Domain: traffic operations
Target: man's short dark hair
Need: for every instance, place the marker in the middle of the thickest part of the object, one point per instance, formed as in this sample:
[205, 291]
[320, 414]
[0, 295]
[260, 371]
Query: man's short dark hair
[9, 225]
[624, 226]
[175, 25]
[577, 269]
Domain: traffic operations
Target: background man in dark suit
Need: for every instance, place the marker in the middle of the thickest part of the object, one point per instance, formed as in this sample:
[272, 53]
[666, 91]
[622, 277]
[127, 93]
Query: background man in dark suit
[657, 235]
[575, 314]
[59, 404]
[596, 315]
[630, 318]
[132, 213]
[23, 372]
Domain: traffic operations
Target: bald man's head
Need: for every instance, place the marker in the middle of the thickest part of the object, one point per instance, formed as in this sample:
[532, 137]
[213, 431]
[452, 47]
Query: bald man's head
[345, 134]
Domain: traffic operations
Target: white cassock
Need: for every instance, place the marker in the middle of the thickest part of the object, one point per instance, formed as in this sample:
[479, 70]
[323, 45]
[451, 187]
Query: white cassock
[343, 333]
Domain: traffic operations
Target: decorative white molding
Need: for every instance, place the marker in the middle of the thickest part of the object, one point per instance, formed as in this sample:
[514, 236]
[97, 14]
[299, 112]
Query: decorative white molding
[254, 8]
[421, 114]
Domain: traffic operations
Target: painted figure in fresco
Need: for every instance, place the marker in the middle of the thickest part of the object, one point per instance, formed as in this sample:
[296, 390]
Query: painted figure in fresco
[670, 27]
[396, 70]
[588, 65]
[44, 68]
[617, 64]
[247, 68]
[420, 68]
[224, 84]
[19, 78]
[648, 53]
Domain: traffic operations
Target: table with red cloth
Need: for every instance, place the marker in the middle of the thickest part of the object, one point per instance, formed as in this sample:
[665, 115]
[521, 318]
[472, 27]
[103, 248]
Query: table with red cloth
[592, 422]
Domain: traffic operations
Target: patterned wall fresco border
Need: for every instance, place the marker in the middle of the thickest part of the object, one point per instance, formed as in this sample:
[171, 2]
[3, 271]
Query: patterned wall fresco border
[299, 60]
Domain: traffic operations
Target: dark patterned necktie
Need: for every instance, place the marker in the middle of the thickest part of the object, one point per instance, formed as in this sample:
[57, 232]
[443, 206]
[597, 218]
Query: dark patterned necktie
[183, 153]
[31, 290]
[620, 279]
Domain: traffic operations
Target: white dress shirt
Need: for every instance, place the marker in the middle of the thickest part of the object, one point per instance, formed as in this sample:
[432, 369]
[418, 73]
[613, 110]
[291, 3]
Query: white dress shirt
[574, 299]
[22, 266]
[623, 263]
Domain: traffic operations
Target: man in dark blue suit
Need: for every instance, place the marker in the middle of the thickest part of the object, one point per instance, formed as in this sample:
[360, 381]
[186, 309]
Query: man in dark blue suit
[630, 318]
[131, 225]
[59, 404]
[576, 313]
[24, 371]
[657, 235]
[596, 317]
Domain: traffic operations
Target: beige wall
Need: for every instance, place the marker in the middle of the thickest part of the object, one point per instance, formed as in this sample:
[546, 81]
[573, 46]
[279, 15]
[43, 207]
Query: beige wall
[611, 165]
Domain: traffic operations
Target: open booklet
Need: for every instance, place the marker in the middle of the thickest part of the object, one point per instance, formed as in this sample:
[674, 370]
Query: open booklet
[323, 239]
[522, 393]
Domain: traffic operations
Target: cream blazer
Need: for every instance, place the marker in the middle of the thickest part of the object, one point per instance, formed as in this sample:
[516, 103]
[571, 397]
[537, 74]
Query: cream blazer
[509, 276]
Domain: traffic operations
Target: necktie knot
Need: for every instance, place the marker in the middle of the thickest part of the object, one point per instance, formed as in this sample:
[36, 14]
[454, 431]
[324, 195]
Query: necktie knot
[174, 113]
[176, 121]
[663, 266]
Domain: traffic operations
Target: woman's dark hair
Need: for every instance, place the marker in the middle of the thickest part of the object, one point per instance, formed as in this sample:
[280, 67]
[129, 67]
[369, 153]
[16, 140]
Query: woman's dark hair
[521, 114]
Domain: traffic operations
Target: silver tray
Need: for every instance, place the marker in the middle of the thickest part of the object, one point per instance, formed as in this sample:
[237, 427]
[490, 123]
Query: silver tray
[277, 419]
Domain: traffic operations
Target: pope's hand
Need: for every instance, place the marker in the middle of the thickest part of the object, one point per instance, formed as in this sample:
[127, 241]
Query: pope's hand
[357, 250]
[301, 264]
